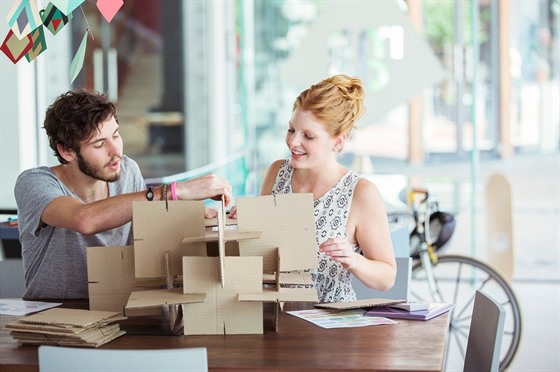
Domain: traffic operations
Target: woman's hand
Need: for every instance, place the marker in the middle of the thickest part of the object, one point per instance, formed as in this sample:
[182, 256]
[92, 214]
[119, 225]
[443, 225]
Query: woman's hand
[233, 212]
[340, 250]
[210, 213]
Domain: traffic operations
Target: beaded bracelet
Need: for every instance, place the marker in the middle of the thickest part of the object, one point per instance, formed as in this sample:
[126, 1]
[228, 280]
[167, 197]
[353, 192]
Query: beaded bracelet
[163, 195]
[173, 185]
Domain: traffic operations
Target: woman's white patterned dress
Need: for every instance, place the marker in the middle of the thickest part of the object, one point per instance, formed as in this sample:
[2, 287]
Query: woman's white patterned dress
[332, 281]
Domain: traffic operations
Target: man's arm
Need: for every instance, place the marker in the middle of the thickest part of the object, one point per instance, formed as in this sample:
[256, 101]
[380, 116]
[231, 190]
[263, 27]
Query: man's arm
[106, 214]
[91, 218]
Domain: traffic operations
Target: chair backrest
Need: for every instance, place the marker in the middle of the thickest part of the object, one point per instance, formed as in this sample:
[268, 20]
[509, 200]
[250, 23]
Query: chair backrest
[401, 289]
[12, 280]
[62, 359]
[485, 335]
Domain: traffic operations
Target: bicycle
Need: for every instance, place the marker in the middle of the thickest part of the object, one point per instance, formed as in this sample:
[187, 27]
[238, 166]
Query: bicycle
[438, 277]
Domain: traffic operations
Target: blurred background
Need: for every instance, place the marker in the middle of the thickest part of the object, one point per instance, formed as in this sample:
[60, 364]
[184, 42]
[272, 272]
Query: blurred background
[457, 91]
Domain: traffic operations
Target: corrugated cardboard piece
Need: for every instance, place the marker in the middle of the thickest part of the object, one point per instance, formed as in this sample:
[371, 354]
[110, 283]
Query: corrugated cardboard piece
[162, 297]
[359, 304]
[69, 327]
[110, 277]
[222, 312]
[158, 230]
[286, 222]
[222, 292]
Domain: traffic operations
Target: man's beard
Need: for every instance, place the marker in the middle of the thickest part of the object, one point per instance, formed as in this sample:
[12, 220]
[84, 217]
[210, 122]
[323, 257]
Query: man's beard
[90, 170]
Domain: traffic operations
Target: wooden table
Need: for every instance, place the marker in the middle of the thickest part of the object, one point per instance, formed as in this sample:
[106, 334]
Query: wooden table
[298, 344]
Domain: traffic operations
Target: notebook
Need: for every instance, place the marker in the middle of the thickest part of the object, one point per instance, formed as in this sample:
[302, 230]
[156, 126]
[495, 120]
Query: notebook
[412, 306]
[358, 304]
[435, 309]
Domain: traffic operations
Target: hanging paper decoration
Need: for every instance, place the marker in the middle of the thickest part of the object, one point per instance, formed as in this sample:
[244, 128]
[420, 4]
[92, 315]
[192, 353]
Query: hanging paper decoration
[39, 44]
[109, 8]
[16, 48]
[78, 60]
[23, 17]
[53, 19]
[26, 36]
[67, 6]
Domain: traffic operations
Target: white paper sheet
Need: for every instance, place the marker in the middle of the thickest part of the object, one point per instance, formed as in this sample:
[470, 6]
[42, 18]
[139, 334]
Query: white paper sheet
[17, 306]
[340, 319]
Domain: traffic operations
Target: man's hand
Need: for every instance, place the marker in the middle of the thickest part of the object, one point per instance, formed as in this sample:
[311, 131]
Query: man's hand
[209, 186]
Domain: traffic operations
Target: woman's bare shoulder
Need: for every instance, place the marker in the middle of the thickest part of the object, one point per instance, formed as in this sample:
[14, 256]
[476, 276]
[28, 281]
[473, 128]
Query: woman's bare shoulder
[270, 176]
[367, 194]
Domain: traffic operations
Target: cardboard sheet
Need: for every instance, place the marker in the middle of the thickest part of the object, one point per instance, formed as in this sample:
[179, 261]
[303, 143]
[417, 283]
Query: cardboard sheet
[289, 225]
[222, 313]
[162, 297]
[71, 327]
[110, 277]
[291, 295]
[157, 230]
[359, 304]
[71, 317]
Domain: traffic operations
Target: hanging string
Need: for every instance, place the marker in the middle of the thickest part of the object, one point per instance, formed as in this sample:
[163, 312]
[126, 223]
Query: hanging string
[41, 11]
[87, 24]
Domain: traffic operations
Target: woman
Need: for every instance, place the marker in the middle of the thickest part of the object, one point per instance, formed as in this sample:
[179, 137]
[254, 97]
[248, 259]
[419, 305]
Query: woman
[352, 230]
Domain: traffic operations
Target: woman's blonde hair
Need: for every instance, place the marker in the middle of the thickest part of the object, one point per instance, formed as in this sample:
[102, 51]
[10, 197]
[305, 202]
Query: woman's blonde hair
[337, 101]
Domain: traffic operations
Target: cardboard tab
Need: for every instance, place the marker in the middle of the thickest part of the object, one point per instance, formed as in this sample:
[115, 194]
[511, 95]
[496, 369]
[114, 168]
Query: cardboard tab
[162, 297]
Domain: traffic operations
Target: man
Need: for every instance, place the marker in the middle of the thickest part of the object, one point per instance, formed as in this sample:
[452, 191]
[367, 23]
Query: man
[87, 199]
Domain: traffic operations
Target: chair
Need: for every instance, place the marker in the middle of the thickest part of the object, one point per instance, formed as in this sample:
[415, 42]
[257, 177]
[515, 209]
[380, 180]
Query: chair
[485, 335]
[401, 289]
[63, 359]
[12, 280]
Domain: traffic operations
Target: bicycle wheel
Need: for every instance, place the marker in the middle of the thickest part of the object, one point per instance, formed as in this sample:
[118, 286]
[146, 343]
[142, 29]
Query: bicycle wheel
[457, 278]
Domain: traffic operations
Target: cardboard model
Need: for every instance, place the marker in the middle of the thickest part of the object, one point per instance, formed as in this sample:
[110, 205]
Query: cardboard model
[262, 258]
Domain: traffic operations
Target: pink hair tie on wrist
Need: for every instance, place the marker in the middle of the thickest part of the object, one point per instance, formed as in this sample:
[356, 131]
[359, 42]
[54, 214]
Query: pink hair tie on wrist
[173, 190]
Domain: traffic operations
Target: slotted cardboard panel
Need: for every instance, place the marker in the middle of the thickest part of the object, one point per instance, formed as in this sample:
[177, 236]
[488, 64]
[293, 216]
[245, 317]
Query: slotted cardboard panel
[221, 242]
[286, 221]
[287, 295]
[110, 277]
[162, 297]
[229, 235]
[269, 255]
[222, 313]
[157, 230]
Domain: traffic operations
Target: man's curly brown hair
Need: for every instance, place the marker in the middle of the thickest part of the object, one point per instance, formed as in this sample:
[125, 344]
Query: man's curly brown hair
[74, 117]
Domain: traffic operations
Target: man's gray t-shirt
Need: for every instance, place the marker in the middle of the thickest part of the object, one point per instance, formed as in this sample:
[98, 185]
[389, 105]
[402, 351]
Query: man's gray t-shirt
[54, 259]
